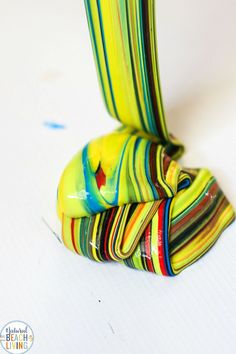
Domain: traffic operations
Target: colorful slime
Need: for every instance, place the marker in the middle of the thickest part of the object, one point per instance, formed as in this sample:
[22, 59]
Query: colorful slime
[124, 197]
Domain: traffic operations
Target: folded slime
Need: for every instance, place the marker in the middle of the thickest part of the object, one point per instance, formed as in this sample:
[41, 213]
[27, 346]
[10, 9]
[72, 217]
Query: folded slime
[124, 197]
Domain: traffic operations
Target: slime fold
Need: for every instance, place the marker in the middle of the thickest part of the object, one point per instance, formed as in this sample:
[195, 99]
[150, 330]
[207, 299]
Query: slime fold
[124, 197]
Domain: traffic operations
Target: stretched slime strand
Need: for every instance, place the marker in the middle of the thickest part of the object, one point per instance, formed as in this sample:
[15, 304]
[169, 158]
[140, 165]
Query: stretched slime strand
[124, 197]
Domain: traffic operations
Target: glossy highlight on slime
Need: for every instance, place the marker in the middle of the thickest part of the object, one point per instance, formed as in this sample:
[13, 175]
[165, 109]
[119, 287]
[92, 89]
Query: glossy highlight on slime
[124, 197]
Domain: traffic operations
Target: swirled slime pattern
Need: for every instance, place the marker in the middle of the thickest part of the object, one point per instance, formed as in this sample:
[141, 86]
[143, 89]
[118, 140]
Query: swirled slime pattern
[124, 197]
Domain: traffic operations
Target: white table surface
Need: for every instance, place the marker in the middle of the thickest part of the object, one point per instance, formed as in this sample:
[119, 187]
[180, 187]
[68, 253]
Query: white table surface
[47, 73]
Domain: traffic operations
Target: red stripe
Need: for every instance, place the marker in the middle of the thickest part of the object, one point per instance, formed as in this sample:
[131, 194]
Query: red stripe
[100, 177]
[73, 234]
[161, 251]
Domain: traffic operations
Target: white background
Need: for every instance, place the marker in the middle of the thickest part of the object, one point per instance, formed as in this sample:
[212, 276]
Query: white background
[47, 73]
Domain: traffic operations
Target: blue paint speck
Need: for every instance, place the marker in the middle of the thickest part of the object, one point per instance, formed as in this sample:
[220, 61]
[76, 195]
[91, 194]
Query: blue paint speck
[54, 125]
